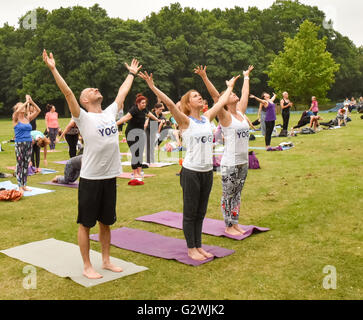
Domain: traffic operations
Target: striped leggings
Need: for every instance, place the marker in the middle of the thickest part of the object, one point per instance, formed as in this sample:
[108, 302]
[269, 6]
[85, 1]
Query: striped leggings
[23, 152]
[233, 180]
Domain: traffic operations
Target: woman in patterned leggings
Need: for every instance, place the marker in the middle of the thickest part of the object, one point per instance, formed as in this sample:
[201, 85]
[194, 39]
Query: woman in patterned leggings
[234, 164]
[23, 139]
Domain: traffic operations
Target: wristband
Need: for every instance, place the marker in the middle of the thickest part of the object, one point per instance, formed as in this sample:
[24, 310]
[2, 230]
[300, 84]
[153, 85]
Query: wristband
[247, 78]
[133, 74]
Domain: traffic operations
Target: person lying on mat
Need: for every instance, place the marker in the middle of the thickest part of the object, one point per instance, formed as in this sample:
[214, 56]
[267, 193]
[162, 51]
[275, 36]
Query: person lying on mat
[196, 177]
[71, 171]
[234, 164]
[100, 163]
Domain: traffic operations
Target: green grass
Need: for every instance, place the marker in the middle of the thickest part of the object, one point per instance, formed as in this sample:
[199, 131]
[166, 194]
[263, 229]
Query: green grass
[310, 197]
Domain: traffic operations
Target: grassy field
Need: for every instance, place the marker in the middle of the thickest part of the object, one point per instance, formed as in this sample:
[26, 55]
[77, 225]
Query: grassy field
[310, 197]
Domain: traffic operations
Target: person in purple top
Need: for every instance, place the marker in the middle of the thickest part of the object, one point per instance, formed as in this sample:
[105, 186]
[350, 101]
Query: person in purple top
[270, 119]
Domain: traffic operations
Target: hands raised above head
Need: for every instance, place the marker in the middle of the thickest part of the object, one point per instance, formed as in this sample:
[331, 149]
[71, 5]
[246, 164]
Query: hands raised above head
[248, 71]
[134, 67]
[201, 71]
[49, 60]
[148, 78]
[232, 82]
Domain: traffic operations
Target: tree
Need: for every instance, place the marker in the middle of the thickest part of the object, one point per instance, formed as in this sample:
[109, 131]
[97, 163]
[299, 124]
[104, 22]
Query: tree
[304, 68]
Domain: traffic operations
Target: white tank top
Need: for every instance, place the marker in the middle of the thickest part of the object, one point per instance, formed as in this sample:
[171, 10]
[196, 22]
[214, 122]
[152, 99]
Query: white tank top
[198, 141]
[236, 138]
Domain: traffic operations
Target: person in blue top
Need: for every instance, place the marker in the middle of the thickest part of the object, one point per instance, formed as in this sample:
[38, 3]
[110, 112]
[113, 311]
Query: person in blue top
[23, 140]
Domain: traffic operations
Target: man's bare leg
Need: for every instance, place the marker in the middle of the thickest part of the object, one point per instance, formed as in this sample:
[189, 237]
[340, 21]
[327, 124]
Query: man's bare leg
[84, 246]
[105, 239]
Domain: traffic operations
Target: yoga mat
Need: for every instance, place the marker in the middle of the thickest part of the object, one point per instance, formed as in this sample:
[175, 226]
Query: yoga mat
[64, 260]
[127, 175]
[70, 185]
[210, 226]
[43, 170]
[160, 164]
[151, 165]
[61, 162]
[257, 148]
[34, 191]
[156, 245]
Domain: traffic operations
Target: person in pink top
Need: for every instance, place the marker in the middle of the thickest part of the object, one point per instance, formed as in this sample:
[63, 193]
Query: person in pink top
[314, 108]
[51, 121]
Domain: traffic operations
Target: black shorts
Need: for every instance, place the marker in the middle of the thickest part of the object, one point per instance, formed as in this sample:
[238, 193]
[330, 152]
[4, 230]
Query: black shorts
[96, 202]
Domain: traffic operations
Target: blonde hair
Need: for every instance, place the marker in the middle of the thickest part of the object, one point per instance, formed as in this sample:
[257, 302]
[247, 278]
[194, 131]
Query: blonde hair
[184, 103]
[15, 109]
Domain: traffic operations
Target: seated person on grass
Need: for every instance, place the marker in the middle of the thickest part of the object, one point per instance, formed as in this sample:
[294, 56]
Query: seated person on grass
[71, 171]
[339, 121]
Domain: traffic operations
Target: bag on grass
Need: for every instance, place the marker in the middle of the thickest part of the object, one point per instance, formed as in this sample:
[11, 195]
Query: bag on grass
[253, 161]
[307, 131]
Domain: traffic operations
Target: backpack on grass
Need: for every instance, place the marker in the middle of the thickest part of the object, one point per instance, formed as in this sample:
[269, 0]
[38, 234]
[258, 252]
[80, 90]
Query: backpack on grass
[253, 161]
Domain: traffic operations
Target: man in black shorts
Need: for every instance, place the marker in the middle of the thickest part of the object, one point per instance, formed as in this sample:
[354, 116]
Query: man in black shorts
[100, 162]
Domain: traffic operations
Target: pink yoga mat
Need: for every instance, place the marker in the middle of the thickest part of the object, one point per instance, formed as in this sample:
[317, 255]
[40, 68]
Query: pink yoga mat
[210, 226]
[156, 245]
[70, 185]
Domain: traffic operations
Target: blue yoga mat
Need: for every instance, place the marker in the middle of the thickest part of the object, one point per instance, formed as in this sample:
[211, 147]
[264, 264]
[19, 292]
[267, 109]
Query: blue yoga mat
[8, 185]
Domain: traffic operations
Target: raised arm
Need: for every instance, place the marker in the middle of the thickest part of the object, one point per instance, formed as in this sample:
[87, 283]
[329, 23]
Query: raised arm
[211, 113]
[263, 102]
[243, 102]
[273, 97]
[37, 110]
[180, 117]
[72, 102]
[126, 86]
[202, 72]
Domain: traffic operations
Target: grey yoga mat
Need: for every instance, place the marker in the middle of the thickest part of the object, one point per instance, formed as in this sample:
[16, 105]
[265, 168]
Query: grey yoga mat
[64, 260]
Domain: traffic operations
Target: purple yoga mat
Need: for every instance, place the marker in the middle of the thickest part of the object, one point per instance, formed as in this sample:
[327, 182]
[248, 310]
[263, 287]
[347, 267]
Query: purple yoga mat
[71, 185]
[156, 245]
[61, 162]
[210, 226]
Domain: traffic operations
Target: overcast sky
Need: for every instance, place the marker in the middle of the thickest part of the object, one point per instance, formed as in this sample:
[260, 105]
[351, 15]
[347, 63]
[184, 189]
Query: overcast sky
[347, 15]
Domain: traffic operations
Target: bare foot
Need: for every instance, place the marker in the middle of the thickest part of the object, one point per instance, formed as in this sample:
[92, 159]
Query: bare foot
[111, 267]
[232, 231]
[196, 255]
[239, 229]
[25, 188]
[205, 253]
[90, 273]
[55, 180]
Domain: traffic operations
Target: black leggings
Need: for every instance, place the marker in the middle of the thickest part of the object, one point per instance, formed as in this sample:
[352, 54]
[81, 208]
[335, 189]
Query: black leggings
[35, 158]
[285, 118]
[196, 189]
[303, 122]
[72, 140]
[270, 125]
